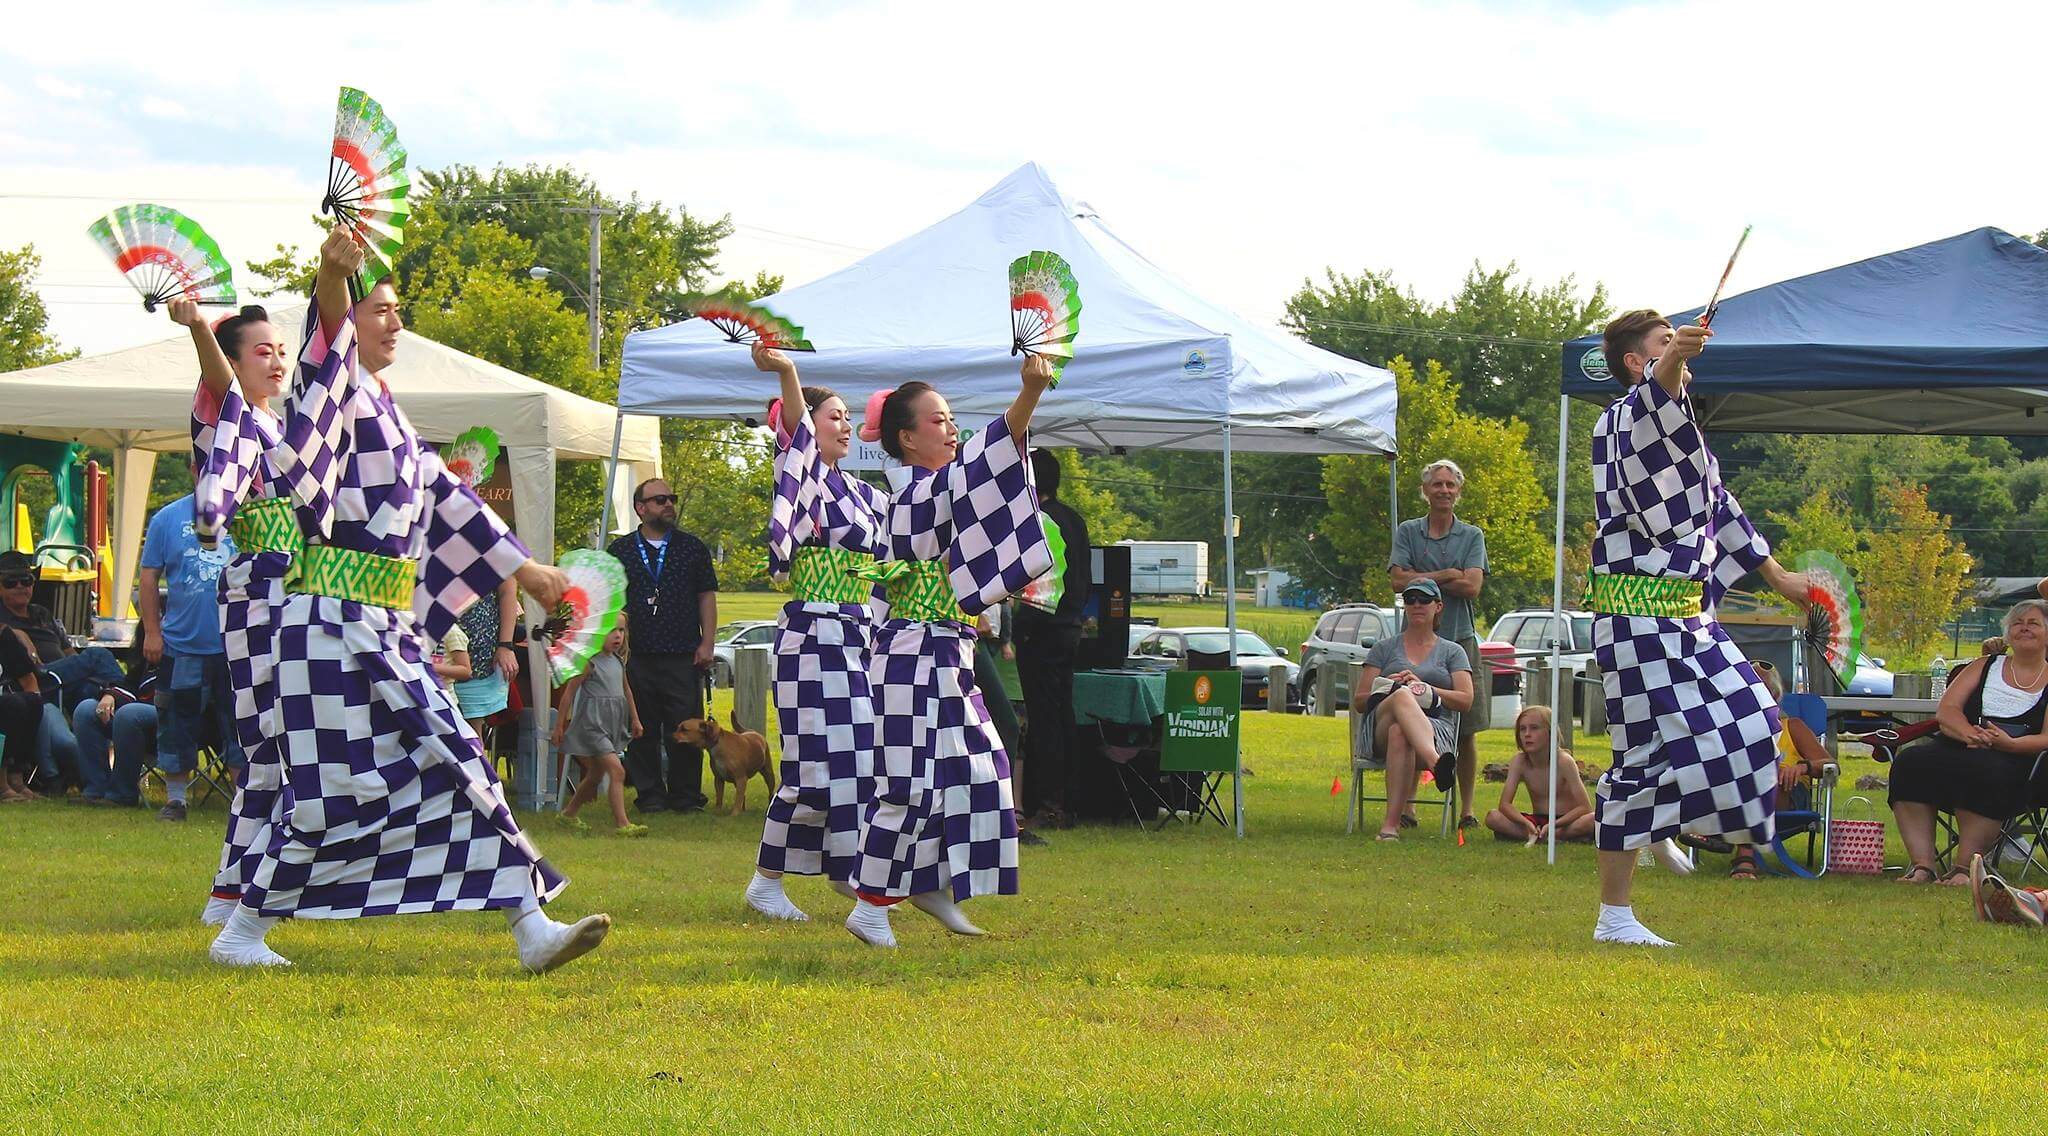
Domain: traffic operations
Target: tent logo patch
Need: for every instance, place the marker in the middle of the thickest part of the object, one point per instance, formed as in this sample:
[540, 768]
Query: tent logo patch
[1195, 364]
[1593, 364]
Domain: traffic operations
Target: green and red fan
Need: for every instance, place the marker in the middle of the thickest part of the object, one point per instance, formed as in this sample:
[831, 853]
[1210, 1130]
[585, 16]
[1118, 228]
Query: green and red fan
[165, 255]
[367, 184]
[1834, 612]
[745, 321]
[1045, 309]
[473, 456]
[589, 610]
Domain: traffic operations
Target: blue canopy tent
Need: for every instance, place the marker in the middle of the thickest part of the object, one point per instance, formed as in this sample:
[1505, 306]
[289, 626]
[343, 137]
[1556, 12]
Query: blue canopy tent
[1949, 337]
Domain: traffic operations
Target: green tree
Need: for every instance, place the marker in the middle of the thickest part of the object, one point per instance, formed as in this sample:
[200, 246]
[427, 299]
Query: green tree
[25, 340]
[1914, 576]
[1108, 521]
[1821, 525]
[1503, 495]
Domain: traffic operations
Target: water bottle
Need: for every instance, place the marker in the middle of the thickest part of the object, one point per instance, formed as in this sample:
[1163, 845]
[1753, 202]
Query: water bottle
[1939, 669]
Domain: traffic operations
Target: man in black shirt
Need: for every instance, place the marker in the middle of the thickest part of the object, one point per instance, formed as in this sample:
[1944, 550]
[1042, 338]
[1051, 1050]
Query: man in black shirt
[671, 610]
[1046, 643]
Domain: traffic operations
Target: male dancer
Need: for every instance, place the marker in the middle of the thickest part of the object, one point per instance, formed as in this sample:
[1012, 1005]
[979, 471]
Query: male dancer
[1694, 731]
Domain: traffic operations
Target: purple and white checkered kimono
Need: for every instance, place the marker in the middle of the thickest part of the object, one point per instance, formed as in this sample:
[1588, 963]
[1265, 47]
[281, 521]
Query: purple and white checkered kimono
[233, 439]
[388, 805]
[822, 701]
[1694, 732]
[942, 812]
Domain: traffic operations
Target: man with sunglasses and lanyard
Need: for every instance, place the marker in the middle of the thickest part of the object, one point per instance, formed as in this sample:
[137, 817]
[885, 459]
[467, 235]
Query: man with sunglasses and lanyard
[671, 609]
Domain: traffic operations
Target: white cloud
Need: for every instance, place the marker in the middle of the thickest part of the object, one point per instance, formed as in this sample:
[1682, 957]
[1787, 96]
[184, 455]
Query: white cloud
[1243, 148]
[156, 106]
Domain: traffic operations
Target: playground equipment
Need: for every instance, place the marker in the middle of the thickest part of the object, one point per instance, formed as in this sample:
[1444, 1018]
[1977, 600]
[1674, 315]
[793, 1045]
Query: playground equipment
[72, 556]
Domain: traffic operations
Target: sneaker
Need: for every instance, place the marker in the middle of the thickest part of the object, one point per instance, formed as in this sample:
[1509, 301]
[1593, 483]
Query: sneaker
[565, 821]
[1445, 772]
[630, 830]
[172, 811]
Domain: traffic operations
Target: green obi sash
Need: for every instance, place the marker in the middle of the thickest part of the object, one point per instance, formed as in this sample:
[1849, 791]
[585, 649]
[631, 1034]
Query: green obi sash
[365, 577]
[919, 590]
[832, 575]
[266, 525]
[1666, 597]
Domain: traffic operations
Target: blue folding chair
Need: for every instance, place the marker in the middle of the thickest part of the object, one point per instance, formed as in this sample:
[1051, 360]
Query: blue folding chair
[1813, 820]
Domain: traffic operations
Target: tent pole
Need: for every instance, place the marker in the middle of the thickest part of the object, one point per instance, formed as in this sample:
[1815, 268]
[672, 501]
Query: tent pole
[1564, 414]
[611, 478]
[1230, 622]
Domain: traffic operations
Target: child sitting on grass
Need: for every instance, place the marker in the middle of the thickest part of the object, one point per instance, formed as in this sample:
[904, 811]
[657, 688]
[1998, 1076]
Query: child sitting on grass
[1531, 767]
[596, 720]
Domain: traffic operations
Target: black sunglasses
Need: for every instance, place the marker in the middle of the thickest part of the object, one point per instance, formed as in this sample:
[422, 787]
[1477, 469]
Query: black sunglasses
[659, 499]
[1418, 597]
[16, 581]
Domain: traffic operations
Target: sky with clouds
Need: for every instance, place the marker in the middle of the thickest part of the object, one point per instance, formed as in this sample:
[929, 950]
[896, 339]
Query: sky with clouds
[1242, 147]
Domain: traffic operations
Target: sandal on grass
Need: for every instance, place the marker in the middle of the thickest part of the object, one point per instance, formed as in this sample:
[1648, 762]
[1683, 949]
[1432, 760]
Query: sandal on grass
[1388, 837]
[1955, 877]
[1744, 867]
[1918, 874]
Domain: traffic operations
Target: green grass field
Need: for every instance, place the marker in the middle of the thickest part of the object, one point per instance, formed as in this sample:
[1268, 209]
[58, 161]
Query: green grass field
[1177, 981]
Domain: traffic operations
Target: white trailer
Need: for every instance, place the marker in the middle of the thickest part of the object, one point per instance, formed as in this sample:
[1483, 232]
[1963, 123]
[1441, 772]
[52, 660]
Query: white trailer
[1169, 567]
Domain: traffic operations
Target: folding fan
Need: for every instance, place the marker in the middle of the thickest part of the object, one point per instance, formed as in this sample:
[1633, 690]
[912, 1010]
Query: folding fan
[1045, 309]
[367, 184]
[1714, 304]
[589, 610]
[472, 456]
[1834, 611]
[744, 321]
[165, 255]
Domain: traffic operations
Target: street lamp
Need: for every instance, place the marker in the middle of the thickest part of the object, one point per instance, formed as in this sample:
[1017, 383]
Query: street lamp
[538, 272]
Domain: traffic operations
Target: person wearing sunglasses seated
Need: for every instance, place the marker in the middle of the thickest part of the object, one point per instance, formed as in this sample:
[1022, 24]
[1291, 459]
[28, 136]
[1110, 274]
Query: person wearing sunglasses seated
[68, 676]
[1431, 678]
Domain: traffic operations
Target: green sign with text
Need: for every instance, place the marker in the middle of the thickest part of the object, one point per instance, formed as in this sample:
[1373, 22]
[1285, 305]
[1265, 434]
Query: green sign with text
[1202, 711]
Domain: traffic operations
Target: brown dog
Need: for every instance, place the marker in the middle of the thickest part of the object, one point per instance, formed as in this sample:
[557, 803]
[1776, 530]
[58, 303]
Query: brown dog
[736, 755]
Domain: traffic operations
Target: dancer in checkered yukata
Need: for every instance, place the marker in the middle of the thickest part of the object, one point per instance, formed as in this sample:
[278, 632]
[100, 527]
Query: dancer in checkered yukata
[243, 365]
[963, 534]
[387, 804]
[824, 532]
[1694, 730]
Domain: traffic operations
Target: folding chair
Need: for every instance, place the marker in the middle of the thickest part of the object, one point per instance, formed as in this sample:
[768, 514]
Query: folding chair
[1364, 760]
[1811, 821]
[1125, 745]
[2021, 840]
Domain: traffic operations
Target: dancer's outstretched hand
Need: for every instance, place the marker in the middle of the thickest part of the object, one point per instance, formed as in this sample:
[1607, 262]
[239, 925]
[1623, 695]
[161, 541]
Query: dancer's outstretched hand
[544, 582]
[185, 312]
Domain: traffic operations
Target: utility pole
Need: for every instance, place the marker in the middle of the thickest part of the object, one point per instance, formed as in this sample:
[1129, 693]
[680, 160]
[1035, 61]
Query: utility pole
[597, 213]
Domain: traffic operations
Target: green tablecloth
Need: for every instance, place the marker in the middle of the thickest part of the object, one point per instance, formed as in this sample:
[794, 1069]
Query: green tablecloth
[1132, 698]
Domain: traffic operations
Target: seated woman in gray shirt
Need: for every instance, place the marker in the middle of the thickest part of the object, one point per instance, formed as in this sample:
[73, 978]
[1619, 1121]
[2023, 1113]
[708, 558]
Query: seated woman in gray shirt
[1411, 723]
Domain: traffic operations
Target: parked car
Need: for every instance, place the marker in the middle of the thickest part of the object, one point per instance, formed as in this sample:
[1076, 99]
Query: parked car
[1342, 635]
[1171, 646]
[730, 638]
[1527, 630]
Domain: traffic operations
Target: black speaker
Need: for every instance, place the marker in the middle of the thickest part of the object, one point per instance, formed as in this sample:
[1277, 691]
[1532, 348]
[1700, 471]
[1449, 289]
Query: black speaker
[1106, 619]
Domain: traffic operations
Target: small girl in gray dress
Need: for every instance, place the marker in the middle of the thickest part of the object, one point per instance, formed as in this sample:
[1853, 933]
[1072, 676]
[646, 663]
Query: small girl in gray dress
[596, 721]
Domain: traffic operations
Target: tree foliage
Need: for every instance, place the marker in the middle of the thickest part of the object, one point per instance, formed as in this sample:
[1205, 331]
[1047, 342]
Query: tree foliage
[1913, 576]
[1503, 495]
[25, 340]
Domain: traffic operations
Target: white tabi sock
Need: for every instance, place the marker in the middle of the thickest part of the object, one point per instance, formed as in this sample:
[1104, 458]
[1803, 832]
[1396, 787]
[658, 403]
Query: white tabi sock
[765, 895]
[240, 943]
[941, 907]
[545, 943]
[1620, 925]
[870, 924]
[218, 910]
[1672, 855]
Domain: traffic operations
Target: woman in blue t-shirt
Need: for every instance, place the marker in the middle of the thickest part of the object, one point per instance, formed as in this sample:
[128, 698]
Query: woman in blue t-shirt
[1430, 680]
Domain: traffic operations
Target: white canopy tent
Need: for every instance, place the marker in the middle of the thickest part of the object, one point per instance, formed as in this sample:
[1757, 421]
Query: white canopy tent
[138, 403]
[1155, 366]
